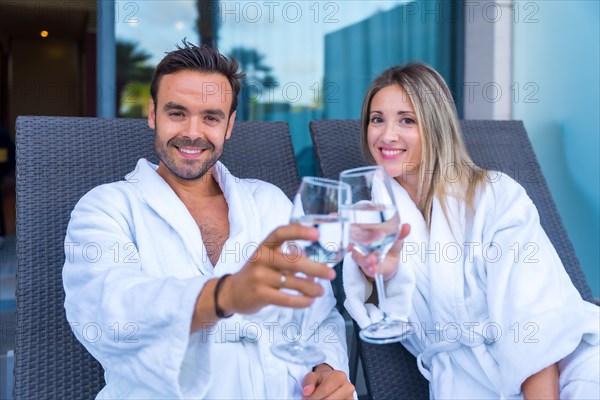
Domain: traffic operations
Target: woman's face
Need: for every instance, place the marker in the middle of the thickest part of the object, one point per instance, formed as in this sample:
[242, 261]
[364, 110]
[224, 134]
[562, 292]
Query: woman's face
[393, 134]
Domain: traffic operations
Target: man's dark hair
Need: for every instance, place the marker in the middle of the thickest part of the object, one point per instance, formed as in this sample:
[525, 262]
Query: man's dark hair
[198, 58]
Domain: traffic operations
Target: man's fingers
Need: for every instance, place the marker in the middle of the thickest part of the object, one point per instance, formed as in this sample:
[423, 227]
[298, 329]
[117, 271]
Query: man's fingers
[333, 385]
[290, 263]
[308, 390]
[283, 299]
[342, 392]
[305, 286]
[286, 280]
[309, 384]
[291, 259]
[293, 263]
[291, 232]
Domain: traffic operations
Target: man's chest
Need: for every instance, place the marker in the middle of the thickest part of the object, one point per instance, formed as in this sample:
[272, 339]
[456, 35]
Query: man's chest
[213, 222]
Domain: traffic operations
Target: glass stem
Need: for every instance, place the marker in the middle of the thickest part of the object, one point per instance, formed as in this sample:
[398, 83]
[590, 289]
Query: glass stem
[300, 316]
[381, 293]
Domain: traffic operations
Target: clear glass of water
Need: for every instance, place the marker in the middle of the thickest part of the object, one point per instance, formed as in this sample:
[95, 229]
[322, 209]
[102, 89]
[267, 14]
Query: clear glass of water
[374, 227]
[317, 204]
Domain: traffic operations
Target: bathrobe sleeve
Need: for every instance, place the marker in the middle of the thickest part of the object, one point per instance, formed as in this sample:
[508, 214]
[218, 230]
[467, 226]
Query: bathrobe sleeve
[540, 316]
[135, 324]
[398, 290]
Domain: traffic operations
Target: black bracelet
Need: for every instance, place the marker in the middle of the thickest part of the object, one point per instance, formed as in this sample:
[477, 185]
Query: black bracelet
[218, 309]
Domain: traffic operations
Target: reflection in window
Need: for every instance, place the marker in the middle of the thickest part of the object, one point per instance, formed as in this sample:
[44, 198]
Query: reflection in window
[304, 60]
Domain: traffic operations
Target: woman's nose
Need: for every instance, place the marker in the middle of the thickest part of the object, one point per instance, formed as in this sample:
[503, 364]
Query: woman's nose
[389, 134]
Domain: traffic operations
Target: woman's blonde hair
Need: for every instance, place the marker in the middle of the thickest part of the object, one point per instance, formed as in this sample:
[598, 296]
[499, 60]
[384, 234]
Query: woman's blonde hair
[446, 168]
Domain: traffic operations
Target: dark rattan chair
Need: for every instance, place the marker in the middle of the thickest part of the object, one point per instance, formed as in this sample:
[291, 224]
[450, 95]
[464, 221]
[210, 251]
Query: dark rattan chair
[58, 160]
[390, 370]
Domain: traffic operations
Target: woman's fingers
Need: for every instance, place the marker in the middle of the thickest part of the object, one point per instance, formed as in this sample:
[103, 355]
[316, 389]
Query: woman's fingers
[369, 264]
[397, 247]
[366, 263]
[404, 231]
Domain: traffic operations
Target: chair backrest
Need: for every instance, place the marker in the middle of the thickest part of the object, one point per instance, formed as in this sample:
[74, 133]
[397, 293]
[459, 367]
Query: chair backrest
[495, 145]
[59, 159]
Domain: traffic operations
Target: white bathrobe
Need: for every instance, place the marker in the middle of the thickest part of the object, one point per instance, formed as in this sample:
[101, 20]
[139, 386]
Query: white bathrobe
[487, 298]
[135, 264]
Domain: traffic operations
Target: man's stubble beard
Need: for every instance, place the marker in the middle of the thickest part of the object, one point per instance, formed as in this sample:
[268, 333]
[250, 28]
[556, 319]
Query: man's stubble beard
[193, 172]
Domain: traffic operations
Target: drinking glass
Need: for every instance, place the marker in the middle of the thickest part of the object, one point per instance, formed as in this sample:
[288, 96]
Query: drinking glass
[316, 204]
[374, 227]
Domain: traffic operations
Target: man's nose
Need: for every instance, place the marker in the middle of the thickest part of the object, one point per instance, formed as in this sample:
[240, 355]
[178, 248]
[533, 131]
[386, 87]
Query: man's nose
[195, 128]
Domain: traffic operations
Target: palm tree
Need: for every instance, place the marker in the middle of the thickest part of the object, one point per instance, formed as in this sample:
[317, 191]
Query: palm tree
[131, 67]
[252, 63]
[208, 21]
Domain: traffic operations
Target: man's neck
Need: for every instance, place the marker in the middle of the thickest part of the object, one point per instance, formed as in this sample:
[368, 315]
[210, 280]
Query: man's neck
[189, 190]
[207, 205]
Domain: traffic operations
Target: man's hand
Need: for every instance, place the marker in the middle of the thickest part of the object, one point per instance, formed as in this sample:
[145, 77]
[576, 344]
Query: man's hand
[389, 265]
[543, 384]
[258, 283]
[326, 383]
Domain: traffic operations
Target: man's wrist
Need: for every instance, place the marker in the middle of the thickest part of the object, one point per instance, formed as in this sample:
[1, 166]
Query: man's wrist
[225, 300]
[222, 309]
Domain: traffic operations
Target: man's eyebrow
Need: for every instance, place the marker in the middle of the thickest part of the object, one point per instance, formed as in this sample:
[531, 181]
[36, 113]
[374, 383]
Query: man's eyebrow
[174, 106]
[216, 112]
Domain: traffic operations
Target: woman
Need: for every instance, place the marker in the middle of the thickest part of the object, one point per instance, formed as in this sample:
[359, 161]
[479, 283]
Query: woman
[493, 311]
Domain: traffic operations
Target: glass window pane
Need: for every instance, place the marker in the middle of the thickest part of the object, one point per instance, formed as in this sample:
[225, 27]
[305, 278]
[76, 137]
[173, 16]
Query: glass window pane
[304, 60]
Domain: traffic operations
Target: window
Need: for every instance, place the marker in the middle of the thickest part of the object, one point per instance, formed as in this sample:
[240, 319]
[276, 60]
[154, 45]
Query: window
[304, 60]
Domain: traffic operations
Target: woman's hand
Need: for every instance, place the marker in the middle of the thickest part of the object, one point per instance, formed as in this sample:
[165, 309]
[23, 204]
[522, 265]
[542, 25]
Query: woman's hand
[389, 265]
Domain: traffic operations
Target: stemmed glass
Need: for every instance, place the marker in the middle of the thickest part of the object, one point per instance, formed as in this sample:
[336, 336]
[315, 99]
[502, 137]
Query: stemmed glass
[317, 204]
[374, 227]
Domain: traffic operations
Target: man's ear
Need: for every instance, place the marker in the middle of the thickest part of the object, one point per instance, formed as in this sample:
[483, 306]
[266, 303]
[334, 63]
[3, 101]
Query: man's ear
[151, 114]
[230, 125]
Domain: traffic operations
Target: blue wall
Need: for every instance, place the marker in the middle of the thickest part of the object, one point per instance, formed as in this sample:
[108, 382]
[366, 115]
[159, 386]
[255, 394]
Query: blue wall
[355, 55]
[556, 49]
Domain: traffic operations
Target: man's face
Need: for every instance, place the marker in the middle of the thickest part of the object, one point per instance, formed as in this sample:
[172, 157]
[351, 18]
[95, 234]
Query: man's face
[192, 122]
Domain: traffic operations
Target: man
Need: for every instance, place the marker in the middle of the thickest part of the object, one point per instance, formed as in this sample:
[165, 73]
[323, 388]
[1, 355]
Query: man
[181, 315]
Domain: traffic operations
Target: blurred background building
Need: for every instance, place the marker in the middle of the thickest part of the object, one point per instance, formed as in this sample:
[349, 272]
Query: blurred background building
[535, 61]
